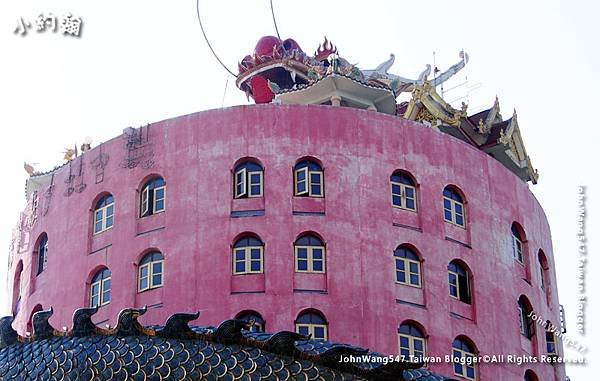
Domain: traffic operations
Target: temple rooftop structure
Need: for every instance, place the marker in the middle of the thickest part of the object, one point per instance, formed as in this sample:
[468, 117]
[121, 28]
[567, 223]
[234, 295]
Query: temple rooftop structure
[281, 72]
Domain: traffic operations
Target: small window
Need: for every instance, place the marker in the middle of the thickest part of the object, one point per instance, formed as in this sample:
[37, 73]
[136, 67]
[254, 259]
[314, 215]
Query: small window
[404, 193]
[104, 214]
[100, 288]
[411, 342]
[526, 323]
[530, 376]
[248, 180]
[153, 197]
[454, 209]
[17, 291]
[308, 179]
[248, 256]
[309, 252]
[37, 308]
[543, 265]
[42, 253]
[151, 270]
[458, 282]
[550, 338]
[313, 324]
[251, 316]
[465, 367]
[517, 243]
[408, 267]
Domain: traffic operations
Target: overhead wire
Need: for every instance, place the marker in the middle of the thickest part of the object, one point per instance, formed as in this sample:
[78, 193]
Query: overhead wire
[208, 42]
[275, 22]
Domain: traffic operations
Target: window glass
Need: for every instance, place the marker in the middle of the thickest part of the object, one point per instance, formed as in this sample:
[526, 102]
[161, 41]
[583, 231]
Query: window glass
[311, 323]
[151, 270]
[453, 207]
[103, 214]
[100, 288]
[42, 253]
[259, 323]
[248, 180]
[152, 197]
[408, 267]
[308, 179]
[403, 191]
[247, 256]
[458, 282]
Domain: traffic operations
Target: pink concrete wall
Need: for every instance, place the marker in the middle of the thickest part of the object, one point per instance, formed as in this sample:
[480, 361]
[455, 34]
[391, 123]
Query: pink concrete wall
[359, 151]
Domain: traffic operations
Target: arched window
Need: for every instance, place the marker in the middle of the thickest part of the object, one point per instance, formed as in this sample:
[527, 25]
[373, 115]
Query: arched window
[464, 352]
[152, 197]
[151, 271]
[530, 376]
[308, 179]
[408, 267]
[458, 281]
[404, 193]
[412, 342]
[248, 180]
[550, 338]
[37, 308]
[252, 316]
[525, 321]
[517, 242]
[248, 256]
[42, 253]
[454, 209]
[312, 323]
[543, 263]
[309, 252]
[100, 288]
[104, 214]
[16, 299]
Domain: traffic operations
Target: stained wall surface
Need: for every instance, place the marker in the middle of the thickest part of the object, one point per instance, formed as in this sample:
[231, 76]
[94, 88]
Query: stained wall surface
[358, 295]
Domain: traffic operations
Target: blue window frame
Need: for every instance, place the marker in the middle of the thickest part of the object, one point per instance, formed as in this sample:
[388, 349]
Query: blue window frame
[248, 256]
[248, 180]
[153, 197]
[308, 179]
[404, 193]
[453, 207]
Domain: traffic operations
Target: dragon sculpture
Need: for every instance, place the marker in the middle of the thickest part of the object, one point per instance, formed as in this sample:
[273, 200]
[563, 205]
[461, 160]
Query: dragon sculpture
[277, 66]
[177, 351]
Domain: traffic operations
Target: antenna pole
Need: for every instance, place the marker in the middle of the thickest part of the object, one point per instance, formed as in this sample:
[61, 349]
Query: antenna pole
[442, 89]
[435, 70]
[224, 92]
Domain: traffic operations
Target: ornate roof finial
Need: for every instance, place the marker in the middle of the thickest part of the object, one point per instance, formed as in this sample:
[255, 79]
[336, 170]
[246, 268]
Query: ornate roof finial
[41, 327]
[29, 168]
[284, 342]
[69, 154]
[82, 321]
[8, 336]
[481, 127]
[230, 330]
[177, 325]
[127, 323]
[325, 50]
[504, 137]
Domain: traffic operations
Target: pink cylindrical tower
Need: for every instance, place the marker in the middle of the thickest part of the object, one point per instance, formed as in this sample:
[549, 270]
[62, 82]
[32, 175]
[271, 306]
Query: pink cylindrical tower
[354, 225]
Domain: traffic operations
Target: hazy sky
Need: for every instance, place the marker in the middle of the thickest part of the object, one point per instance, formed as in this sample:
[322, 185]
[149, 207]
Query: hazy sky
[143, 61]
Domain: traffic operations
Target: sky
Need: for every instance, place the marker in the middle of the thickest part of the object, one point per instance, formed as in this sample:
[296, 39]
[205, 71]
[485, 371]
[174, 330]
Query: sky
[138, 62]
